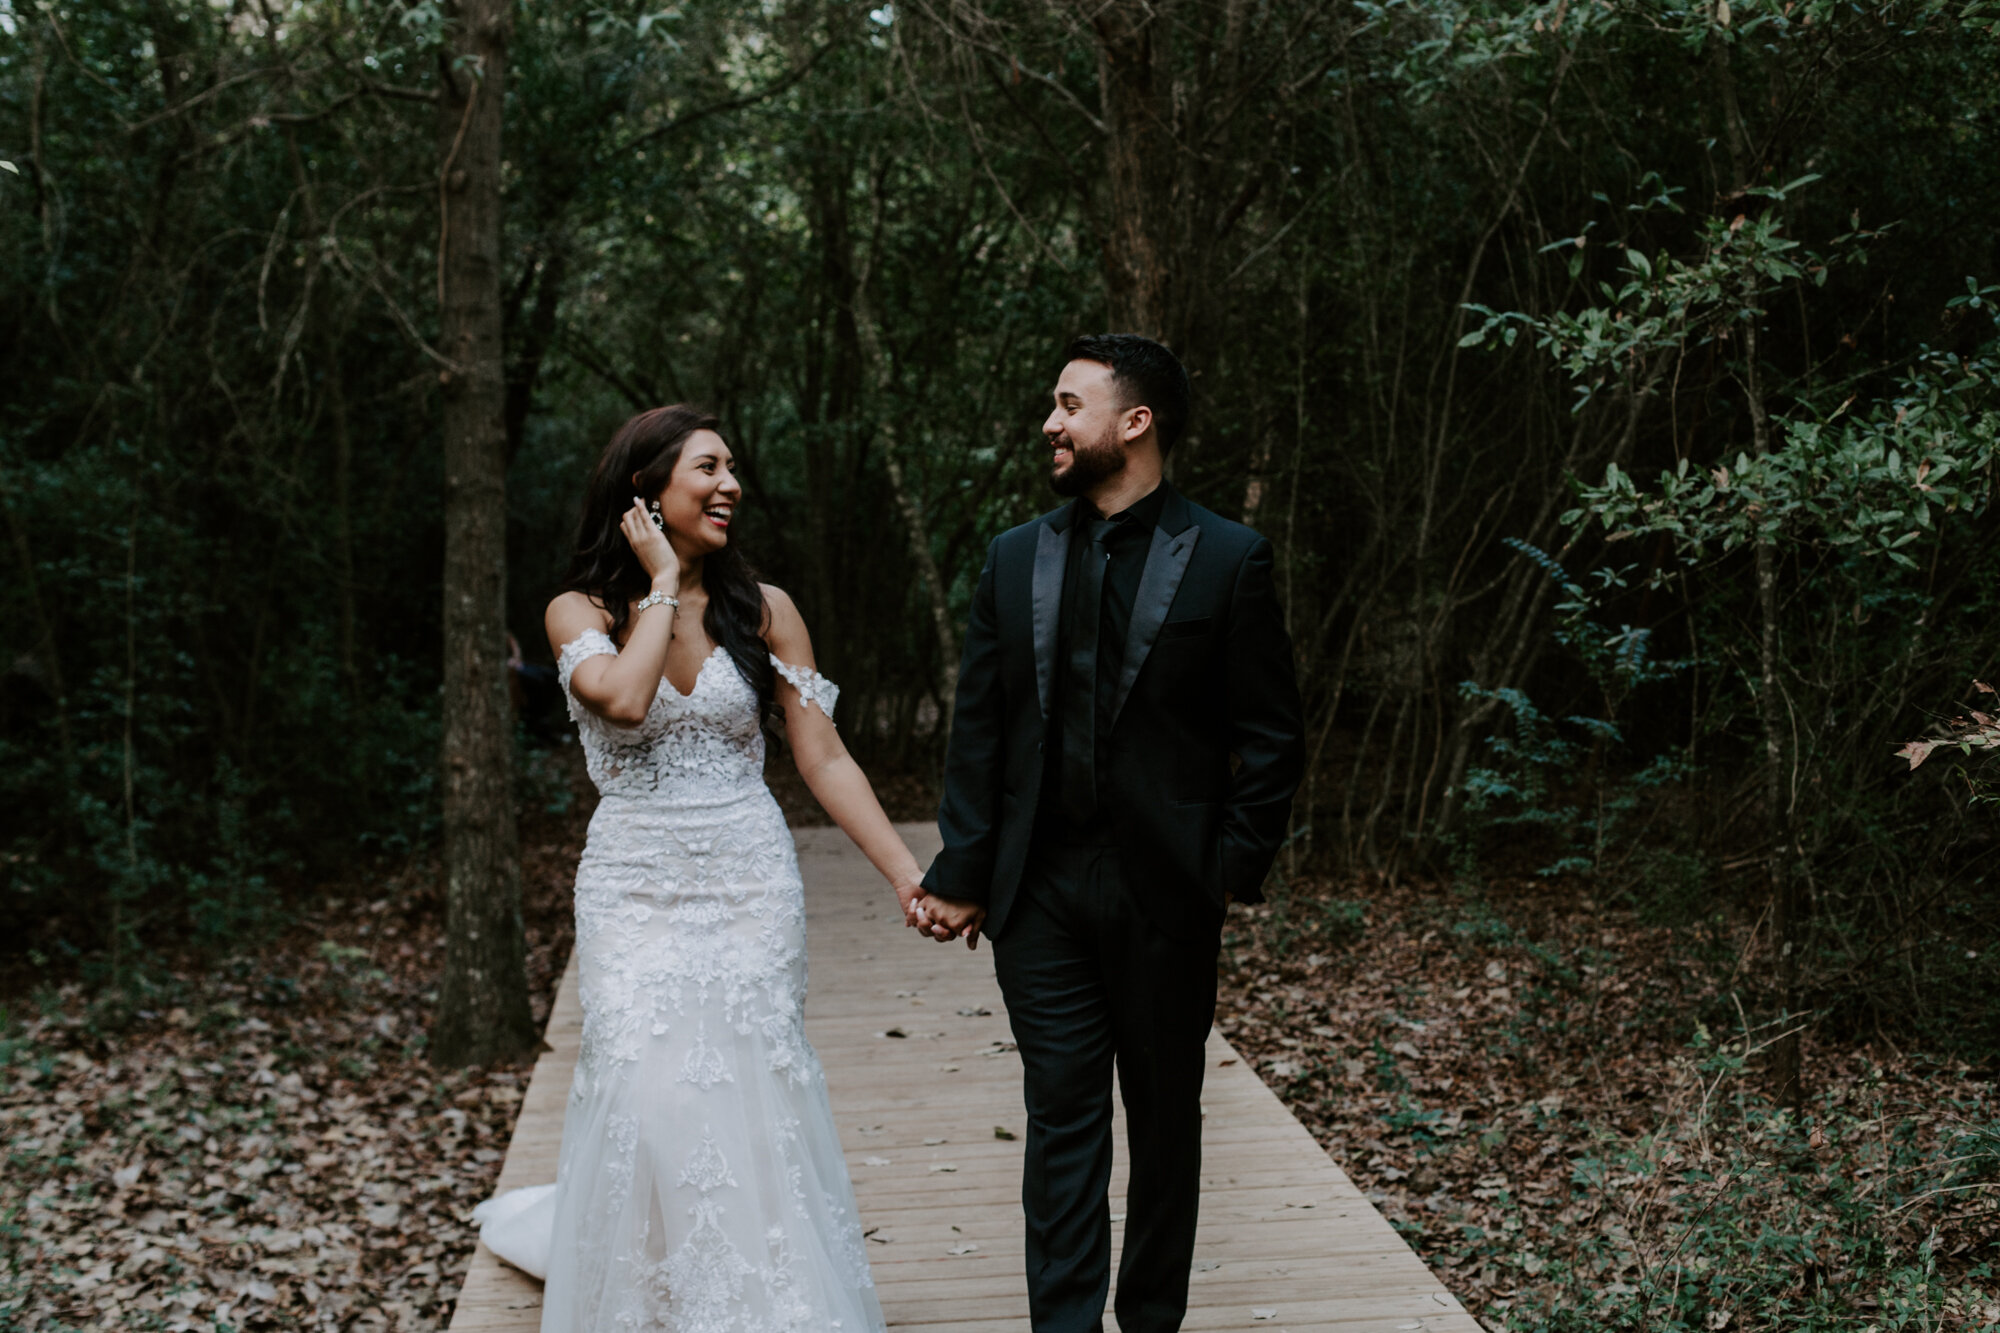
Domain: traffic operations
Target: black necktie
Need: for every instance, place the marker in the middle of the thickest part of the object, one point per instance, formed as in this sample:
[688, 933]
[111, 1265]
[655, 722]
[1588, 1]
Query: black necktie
[1079, 707]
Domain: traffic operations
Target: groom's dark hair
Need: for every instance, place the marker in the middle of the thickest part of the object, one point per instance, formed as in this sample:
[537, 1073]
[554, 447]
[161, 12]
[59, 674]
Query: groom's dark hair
[1148, 375]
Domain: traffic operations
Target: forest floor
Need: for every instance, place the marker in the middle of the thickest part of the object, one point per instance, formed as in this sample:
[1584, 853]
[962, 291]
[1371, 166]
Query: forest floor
[1560, 1108]
[264, 1146]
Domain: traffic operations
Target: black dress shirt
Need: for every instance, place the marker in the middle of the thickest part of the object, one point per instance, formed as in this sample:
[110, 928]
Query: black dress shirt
[1126, 547]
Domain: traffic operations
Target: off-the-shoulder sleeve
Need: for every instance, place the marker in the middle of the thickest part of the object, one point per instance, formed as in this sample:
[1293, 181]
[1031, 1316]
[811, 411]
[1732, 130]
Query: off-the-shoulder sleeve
[590, 643]
[812, 687]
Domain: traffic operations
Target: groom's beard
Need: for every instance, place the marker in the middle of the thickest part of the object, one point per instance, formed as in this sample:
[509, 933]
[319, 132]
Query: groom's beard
[1089, 464]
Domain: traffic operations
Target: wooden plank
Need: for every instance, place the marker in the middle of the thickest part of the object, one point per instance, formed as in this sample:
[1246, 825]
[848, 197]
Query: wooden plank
[496, 1298]
[1282, 1228]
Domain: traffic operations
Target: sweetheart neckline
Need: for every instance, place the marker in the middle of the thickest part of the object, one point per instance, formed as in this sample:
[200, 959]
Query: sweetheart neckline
[667, 683]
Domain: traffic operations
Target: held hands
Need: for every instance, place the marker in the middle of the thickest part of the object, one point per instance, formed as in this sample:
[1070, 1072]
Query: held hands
[942, 919]
[946, 919]
[650, 544]
[909, 892]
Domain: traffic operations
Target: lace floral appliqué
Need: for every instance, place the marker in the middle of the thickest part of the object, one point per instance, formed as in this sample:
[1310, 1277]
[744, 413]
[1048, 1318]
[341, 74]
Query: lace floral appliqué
[702, 1186]
[812, 687]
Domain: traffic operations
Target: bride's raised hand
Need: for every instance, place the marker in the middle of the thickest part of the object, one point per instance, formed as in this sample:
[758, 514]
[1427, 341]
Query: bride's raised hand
[650, 544]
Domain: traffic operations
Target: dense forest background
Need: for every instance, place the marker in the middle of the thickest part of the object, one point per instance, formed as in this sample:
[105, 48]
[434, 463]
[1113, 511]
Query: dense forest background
[1614, 378]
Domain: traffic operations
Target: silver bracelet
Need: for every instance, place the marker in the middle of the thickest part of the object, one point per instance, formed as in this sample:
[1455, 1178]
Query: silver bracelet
[655, 599]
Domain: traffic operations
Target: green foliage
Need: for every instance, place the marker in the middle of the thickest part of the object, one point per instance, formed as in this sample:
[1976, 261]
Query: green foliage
[1874, 511]
[1863, 486]
[1541, 775]
[1973, 733]
[1448, 254]
[1665, 303]
[232, 275]
[1570, 778]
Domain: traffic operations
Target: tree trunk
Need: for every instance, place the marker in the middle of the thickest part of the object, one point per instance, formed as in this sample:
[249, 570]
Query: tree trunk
[534, 342]
[48, 657]
[483, 1003]
[1787, 1072]
[1142, 265]
[343, 507]
[830, 379]
[125, 893]
[909, 505]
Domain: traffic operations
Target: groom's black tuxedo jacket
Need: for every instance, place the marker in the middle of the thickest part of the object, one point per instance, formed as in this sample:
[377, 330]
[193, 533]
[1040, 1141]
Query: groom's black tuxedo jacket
[1207, 674]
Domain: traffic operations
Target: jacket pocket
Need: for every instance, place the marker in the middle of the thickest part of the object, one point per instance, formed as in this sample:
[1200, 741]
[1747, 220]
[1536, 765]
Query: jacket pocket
[1184, 629]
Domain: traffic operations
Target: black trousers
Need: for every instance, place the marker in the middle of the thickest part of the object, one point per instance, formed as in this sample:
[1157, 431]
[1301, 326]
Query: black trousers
[1089, 981]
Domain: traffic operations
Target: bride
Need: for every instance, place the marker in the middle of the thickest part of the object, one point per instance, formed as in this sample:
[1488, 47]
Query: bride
[701, 1186]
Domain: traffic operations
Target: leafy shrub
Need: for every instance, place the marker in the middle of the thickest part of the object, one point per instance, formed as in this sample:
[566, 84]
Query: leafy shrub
[1822, 582]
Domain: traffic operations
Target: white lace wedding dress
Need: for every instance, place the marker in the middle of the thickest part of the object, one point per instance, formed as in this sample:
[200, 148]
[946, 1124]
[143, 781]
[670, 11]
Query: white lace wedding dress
[701, 1187]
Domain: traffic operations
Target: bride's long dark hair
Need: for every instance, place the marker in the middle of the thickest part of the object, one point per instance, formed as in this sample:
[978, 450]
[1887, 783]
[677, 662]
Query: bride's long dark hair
[637, 463]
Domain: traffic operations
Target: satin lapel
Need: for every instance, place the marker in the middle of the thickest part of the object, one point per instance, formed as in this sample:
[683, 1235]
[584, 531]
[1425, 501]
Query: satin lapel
[1052, 545]
[1166, 562]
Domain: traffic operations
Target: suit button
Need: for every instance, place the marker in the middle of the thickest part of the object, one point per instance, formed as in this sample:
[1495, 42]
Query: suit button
[1039, 745]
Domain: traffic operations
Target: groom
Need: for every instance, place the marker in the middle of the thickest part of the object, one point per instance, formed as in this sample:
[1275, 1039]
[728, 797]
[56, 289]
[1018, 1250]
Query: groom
[1122, 652]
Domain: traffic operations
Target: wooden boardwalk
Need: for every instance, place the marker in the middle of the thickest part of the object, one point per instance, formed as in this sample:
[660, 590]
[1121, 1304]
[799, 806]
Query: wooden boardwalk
[1286, 1241]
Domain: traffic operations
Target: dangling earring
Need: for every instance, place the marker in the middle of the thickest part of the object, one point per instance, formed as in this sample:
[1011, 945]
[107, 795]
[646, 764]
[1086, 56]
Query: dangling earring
[653, 512]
